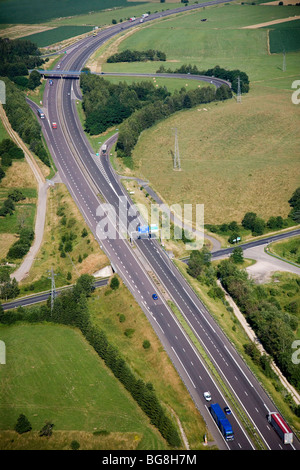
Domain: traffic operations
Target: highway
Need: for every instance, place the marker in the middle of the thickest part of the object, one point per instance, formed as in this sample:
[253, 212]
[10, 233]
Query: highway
[87, 176]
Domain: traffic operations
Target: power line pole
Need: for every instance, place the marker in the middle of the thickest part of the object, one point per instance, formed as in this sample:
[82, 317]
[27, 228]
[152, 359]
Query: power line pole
[53, 293]
[284, 62]
[239, 94]
[176, 162]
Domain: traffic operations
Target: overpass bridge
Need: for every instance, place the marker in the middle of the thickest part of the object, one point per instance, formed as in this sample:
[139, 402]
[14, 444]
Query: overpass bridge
[75, 74]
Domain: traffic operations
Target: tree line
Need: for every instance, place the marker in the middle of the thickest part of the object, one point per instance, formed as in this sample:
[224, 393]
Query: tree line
[71, 308]
[275, 328]
[275, 323]
[218, 72]
[147, 116]
[23, 121]
[137, 56]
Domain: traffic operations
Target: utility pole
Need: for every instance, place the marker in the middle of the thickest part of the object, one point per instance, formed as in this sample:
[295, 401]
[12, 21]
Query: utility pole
[239, 94]
[176, 162]
[284, 62]
[52, 288]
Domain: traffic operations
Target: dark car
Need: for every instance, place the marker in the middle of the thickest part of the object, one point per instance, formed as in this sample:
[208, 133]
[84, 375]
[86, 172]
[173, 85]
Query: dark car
[227, 410]
[154, 296]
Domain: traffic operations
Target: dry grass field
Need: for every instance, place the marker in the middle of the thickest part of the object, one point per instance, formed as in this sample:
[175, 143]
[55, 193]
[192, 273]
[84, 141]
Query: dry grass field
[234, 157]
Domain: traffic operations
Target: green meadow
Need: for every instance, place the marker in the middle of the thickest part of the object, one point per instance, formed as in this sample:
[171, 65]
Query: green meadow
[53, 374]
[234, 157]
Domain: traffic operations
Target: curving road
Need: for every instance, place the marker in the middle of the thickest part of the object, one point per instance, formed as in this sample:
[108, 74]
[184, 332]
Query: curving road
[86, 176]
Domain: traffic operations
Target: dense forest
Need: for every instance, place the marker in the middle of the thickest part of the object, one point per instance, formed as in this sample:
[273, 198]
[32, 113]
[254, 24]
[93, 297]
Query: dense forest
[17, 57]
[106, 104]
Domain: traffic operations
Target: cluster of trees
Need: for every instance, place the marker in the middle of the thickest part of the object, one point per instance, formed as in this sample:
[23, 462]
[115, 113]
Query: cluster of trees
[8, 287]
[23, 120]
[68, 236]
[21, 247]
[218, 72]
[71, 308]
[17, 56]
[137, 56]
[275, 328]
[106, 104]
[200, 267]
[23, 425]
[146, 117]
[9, 151]
[8, 205]
[295, 205]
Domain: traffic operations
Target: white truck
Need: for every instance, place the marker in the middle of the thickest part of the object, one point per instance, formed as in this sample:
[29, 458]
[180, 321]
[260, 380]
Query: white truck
[281, 427]
[103, 149]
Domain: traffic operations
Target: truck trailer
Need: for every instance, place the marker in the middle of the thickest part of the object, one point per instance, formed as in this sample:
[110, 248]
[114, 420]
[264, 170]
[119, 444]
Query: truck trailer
[222, 422]
[281, 427]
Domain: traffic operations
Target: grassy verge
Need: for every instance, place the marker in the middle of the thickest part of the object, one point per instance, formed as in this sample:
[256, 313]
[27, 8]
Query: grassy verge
[289, 249]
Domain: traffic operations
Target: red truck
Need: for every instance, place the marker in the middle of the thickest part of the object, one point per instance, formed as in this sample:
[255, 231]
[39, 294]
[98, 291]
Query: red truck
[281, 427]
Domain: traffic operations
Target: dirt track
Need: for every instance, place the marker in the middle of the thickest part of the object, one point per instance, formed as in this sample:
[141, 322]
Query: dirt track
[269, 23]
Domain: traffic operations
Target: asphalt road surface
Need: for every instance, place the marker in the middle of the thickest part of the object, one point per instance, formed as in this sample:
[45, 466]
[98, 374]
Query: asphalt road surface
[87, 175]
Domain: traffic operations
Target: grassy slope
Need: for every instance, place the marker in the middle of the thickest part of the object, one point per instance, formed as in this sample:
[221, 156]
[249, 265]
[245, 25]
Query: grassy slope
[234, 158]
[51, 373]
[289, 249]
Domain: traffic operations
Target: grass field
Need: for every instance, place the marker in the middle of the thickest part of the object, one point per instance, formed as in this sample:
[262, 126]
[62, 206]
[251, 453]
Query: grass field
[227, 165]
[289, 249]
[52, 374]
[34, 11]
[234, 158]
[285, 37]
[52, 36]
[218, 41]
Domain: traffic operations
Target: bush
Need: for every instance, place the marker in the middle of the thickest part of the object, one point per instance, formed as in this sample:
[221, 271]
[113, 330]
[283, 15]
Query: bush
[146, 344]
[23, 425]
[115, 283]
[75, 445]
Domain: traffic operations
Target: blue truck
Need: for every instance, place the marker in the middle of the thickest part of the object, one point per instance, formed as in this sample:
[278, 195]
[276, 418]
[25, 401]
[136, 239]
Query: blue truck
[222, 422]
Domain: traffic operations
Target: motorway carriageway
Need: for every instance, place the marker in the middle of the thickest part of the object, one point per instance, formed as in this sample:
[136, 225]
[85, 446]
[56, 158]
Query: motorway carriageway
[86, 176]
